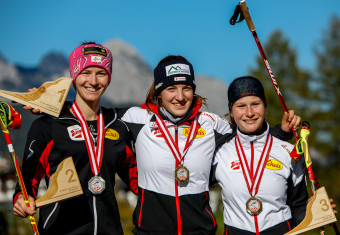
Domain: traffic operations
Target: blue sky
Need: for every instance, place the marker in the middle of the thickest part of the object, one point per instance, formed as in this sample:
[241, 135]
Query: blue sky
[196, 29]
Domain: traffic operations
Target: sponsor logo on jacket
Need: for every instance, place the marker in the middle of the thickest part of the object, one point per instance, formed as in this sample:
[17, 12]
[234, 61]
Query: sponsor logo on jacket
[274, 165]
[200, 132]
[157, 134]
[166, 122]
[235, 165]
[285, 147]
[75, 133]
[208, 115]
[111, 134]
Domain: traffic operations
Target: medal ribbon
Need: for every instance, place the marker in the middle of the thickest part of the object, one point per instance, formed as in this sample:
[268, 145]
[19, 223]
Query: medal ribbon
[171, 143]
[95, 153]
[253, 180]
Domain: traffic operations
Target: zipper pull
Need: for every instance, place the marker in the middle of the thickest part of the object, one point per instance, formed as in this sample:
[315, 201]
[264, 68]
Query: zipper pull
[176, 134]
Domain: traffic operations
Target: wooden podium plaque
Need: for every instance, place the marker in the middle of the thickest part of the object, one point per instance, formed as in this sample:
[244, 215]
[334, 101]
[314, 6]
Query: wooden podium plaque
[319, 213]
[64, 184]
[49, 97]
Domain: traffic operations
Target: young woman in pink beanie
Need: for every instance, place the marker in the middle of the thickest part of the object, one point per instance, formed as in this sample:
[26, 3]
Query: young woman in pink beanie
[98, 142]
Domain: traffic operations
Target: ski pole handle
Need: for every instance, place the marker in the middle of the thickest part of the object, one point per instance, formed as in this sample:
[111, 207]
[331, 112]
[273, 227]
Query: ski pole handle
[4, 122]
[246, 15]
[251, 26]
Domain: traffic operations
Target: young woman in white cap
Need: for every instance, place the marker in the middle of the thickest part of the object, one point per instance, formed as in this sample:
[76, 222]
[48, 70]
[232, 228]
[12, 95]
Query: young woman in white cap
[100, 146]
[263, 188]
[174, 144]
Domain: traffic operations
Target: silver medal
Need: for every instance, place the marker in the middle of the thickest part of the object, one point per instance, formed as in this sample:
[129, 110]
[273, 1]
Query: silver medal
[96, 184]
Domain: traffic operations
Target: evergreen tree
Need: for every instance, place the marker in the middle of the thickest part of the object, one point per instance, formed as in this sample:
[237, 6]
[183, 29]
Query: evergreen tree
[328, 83]
[328, 115]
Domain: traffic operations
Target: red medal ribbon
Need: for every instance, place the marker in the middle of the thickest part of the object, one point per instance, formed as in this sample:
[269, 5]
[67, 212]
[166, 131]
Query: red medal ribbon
[253, 180]
[171, 143]
[95, 153]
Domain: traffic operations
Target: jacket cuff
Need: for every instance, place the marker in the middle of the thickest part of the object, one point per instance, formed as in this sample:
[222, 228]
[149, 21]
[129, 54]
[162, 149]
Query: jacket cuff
[15, 197]
[280, 134]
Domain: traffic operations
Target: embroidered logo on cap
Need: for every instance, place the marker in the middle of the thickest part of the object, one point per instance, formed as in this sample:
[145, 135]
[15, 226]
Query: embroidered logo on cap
[177, 69]
[158, 85]
[96, 59]
[95, 50]
[75, 133]
[180, 79]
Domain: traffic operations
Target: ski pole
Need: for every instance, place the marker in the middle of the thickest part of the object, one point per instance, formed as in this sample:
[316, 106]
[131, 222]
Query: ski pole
[246, 15]
[9, 117]
[242, 8]
[303, 142]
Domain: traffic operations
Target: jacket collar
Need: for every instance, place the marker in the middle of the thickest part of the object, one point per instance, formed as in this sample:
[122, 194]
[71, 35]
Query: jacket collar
[256, 139]
[110, 115]
[195, 110]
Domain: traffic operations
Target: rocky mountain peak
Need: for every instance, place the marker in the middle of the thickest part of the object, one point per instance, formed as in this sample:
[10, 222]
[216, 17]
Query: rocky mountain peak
[53, 63]
[9, 75]
[131, 76]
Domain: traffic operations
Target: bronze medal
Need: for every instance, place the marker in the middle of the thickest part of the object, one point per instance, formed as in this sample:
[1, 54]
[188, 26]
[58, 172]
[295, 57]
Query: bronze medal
[254, 206]
[96, 184]
[182, 174]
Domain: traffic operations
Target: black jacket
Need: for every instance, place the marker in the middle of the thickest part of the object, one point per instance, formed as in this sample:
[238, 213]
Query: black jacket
[52, 140]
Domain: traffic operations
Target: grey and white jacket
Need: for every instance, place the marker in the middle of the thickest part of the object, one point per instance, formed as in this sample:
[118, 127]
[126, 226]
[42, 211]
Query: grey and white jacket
[282, 189]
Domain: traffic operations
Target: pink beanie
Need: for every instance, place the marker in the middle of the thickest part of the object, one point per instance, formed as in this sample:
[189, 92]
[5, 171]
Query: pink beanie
[90, 55]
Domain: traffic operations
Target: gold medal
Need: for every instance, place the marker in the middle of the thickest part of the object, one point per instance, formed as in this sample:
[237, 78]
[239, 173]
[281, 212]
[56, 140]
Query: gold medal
[254, 206]
[96, 184]
[182, 174]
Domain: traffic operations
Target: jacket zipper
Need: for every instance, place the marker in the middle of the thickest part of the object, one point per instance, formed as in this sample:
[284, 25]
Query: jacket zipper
[178, 209]
[49, 216]
[95, 230]
[95, 216]
[252, 176]
[252, 160]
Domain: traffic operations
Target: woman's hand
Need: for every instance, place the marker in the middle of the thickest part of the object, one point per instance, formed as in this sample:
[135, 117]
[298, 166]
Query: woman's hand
[333, 206]
[290, 121]
[20, 208]
[33, 111]
[26, 107]
[331, 201]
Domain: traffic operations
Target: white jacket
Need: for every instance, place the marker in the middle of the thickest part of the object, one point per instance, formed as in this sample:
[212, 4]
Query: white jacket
[163, 205]
[279, 173]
